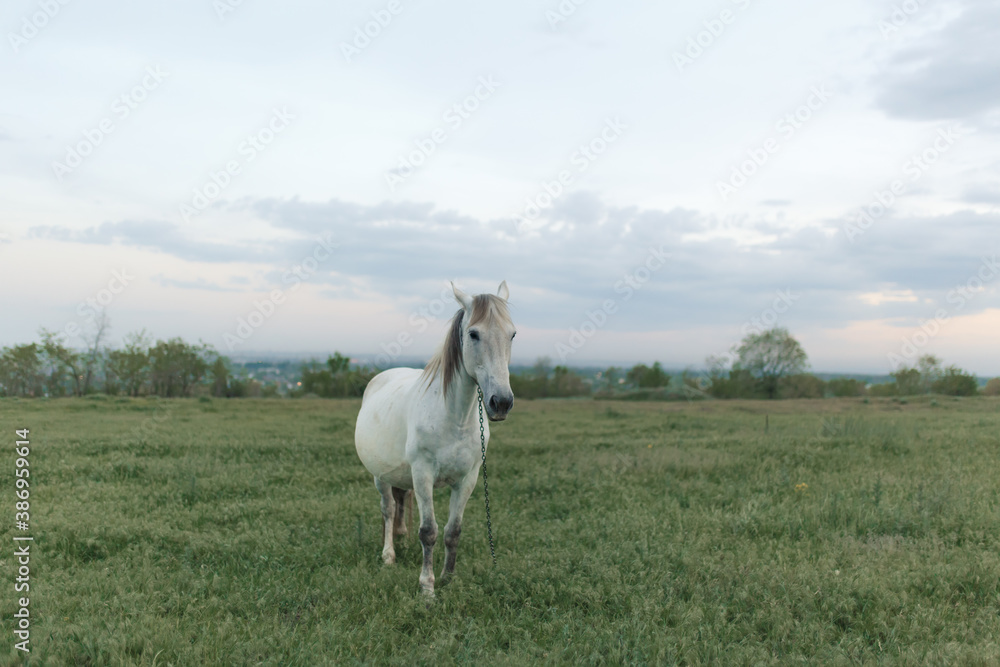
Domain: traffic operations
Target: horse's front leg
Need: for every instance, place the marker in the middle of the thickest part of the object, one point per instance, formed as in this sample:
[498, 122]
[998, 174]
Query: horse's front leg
[453, 529]
[423, 490]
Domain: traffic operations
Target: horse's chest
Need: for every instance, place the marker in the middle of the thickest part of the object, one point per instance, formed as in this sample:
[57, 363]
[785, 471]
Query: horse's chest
[453, 462]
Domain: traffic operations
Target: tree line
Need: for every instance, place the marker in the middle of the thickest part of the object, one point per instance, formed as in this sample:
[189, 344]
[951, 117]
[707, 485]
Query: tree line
[765, 365]
[772, 364]
[167, 368]
[769, 364]
[142, 366]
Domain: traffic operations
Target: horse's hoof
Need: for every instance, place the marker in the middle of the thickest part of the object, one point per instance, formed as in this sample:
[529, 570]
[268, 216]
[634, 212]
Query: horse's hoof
[389, 559]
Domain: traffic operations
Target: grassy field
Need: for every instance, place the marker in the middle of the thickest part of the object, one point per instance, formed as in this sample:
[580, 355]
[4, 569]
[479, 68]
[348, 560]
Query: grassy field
[246, 532]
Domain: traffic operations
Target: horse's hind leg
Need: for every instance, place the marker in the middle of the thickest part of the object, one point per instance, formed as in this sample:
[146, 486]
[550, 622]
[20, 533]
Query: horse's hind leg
[402, 497]
[388, 516]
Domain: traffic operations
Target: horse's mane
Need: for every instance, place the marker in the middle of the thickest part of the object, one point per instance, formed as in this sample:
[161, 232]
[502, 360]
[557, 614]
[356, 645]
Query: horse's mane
[448, 359]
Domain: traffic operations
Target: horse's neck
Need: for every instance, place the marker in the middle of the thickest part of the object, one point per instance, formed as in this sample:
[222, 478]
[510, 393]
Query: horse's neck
[462, 397]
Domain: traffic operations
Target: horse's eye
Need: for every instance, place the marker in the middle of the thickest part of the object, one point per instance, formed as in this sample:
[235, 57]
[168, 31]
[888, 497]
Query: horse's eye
[474, 335]
[512, 335]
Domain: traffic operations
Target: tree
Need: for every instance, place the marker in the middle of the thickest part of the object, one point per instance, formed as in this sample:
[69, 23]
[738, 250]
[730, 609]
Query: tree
[533, 383]
[802, 385]
[643, 377]
[992, 388]
[846, 387]
[61, 356]
[176, 366]
[695, 385]
[338, 363]
[130, 365]
[610, 377]
[337, 380]
[928, 376]
[953, 381]
[92, 357]
[542, 368]
[567, 383]
[55, 377]
[908, 382]
[930, 371]
[735, 383]
[769, 356]
[882, 390]
[346, 382]
[220, 377]
[21, 371]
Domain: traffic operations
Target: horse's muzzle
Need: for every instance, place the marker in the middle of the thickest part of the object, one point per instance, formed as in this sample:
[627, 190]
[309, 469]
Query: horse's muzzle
[498, 406]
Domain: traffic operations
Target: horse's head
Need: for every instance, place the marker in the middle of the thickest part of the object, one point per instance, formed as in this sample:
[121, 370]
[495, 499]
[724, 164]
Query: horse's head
[486, 336]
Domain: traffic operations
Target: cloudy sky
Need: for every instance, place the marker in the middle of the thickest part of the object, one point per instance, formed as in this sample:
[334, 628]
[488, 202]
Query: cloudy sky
[653, 181]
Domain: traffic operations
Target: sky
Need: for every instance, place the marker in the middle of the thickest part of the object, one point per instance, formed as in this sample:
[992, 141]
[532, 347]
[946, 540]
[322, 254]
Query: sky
[653, 181]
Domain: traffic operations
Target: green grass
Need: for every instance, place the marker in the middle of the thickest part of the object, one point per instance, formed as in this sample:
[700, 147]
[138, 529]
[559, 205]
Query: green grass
[247, 532]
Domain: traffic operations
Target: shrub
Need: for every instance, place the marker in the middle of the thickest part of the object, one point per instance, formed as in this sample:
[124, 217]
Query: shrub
[907, 382]
[737, 383]
[537, 383]
[644, 377]
[846, 387]
[883, 390]
[337, 380]
[802, 385]
[565, 382]
[956, 382]
[526, 385]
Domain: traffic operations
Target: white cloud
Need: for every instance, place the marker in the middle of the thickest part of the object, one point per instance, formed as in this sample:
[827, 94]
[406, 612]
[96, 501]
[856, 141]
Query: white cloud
[656, 188]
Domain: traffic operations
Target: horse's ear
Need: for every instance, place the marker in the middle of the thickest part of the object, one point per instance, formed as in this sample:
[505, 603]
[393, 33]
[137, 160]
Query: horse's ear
[462, 298]
[502, 291]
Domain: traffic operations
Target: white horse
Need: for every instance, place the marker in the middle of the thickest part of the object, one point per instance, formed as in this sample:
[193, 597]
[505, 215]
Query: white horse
[420, 429]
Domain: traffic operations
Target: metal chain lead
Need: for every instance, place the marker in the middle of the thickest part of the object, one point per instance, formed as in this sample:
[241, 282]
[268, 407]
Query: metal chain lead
[486, 488]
